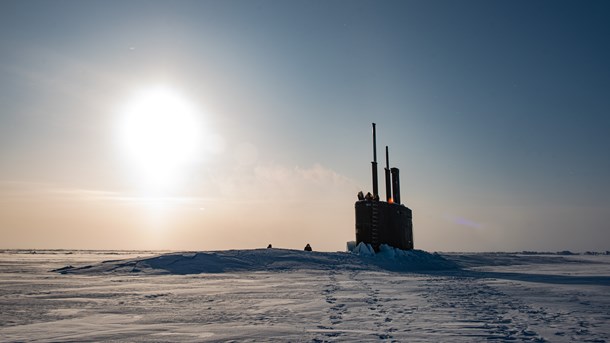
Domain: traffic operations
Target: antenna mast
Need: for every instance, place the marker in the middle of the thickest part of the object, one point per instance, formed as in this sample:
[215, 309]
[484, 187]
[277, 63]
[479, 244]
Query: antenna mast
[388, 182]
[374, 165]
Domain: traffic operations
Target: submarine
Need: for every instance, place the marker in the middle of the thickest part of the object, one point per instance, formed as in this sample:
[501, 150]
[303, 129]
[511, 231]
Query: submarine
[384, 222]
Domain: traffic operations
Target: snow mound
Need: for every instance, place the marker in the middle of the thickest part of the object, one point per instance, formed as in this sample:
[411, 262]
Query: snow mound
[397, 259]
[362, 258]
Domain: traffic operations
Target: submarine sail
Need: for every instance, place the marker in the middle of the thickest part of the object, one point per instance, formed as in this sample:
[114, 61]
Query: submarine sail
[384, 222]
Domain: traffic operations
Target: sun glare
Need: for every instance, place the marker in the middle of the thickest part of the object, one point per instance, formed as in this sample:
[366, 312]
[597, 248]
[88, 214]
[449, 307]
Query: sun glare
[160, 134]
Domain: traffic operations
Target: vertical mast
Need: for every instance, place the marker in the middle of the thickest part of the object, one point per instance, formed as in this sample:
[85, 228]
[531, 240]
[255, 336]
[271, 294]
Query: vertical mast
[374, 165]
[388, 182]
[396, 185]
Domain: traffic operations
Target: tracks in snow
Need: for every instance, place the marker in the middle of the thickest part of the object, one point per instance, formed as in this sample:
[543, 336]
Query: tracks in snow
[373, 306]
[474, 305]
[357, 309]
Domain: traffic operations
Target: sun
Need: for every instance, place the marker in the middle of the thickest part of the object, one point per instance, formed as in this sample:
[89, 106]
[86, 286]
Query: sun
[160, 135]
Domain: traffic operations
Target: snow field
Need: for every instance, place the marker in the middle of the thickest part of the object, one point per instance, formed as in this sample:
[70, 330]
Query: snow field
[304, 297]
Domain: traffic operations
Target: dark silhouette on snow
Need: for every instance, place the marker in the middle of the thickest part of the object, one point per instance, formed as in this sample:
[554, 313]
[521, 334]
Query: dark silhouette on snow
[360, 196]
[384, 222]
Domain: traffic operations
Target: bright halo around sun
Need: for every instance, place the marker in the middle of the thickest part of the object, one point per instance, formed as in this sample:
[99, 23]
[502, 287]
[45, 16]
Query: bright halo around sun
[160, 134]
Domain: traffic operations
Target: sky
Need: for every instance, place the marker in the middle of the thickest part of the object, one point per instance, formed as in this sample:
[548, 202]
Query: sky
[207, 125]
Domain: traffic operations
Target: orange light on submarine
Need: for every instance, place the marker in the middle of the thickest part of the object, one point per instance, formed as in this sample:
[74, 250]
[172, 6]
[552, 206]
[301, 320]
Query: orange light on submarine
[390, 201]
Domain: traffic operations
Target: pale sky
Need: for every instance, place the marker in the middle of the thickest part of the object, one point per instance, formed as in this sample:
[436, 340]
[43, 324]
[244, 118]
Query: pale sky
[496, 112]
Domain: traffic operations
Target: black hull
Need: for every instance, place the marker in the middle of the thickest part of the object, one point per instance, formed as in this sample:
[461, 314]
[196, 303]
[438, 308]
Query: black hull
[379, 222]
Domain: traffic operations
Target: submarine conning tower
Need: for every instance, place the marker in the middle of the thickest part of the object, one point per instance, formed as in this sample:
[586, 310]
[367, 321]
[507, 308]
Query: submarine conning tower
[384, 222]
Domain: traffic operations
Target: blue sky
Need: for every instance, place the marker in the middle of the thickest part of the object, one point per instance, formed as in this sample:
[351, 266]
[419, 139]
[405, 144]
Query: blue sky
[495, 112]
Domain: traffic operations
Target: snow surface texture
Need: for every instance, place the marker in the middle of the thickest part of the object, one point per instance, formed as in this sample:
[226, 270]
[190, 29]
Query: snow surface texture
[288, 295]
[362, 258]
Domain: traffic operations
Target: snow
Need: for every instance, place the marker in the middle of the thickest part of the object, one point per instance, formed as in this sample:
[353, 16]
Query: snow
[290, 295]
[363, 257]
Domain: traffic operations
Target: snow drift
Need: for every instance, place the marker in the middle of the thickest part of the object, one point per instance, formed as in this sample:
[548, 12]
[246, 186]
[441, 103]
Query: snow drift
[361, 257]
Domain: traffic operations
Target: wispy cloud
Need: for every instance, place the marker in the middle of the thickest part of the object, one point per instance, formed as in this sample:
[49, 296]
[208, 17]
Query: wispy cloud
[49, 191]
[257, 184]
[463, 221]
[272, 182]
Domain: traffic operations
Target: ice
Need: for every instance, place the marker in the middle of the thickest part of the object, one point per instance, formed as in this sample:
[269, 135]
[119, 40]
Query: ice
[362, 257]
[290, 295]
[363, 249]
